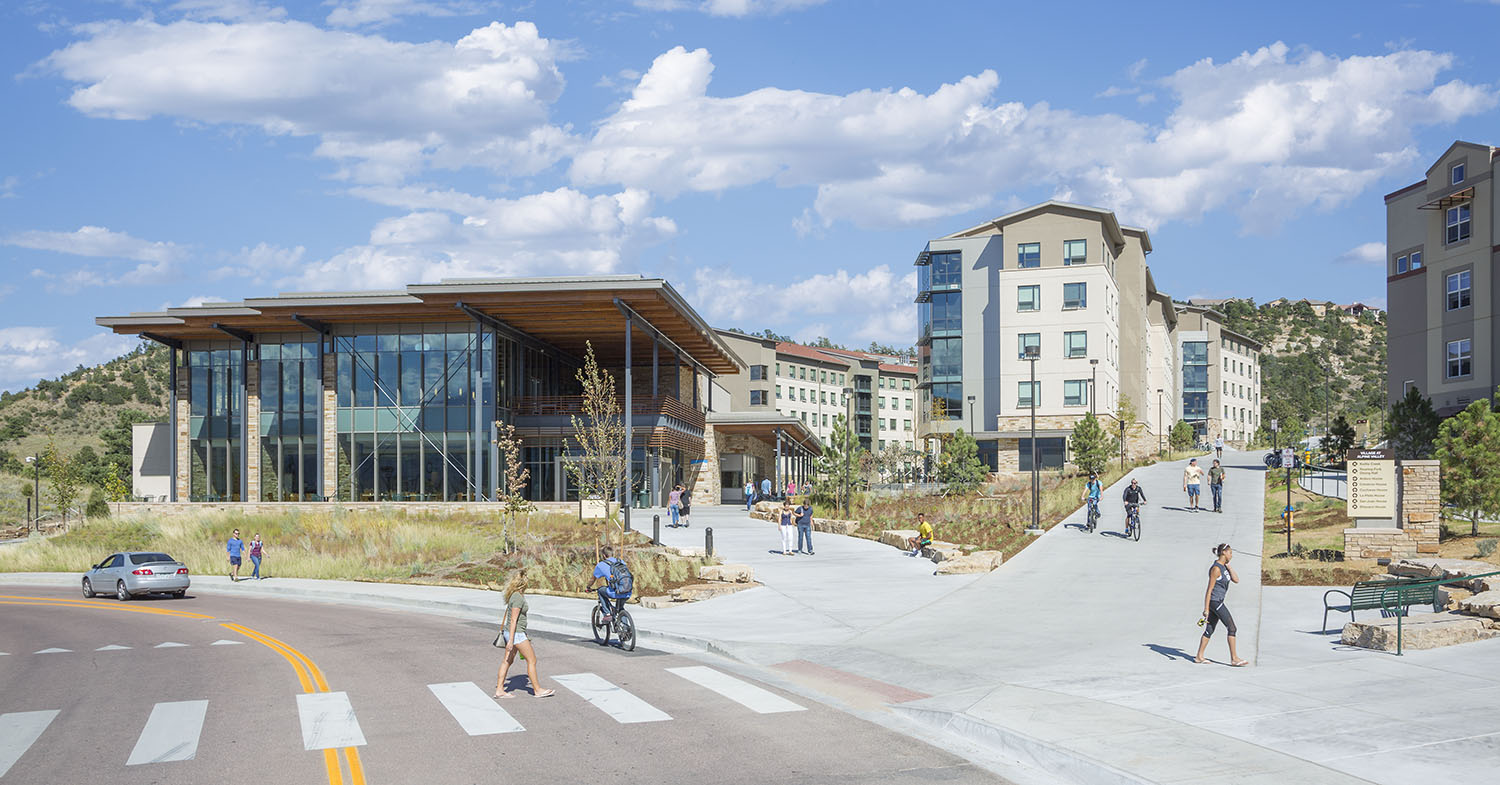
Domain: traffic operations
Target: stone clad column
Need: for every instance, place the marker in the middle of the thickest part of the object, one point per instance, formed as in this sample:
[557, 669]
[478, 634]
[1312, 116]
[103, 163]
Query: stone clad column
[1421, 503]
[180, 440]
[330, 409]
[252, 431]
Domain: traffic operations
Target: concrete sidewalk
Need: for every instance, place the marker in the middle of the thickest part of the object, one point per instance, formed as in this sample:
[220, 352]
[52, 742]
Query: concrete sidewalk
[1072, 663]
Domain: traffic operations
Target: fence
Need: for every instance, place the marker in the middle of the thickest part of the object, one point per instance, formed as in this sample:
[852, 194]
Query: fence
[1323, 481]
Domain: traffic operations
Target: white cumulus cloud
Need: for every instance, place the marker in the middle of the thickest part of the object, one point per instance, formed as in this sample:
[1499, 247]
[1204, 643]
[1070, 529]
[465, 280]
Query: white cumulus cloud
[1266, 134]
[874, 305]
[357, 13]
[735, 8]
[98, 241]
[29, 354]
[449, 234]
[1364, 254]
[385, 108]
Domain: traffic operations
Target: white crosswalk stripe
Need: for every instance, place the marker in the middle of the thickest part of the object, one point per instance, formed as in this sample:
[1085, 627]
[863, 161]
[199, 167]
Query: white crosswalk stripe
[622, 706]
[328, 721]
[226, 643]
[476, 712]
[55, 651]
[169, 645]
[171, 733]
[18, 732]
[112, 647]
[742, 692]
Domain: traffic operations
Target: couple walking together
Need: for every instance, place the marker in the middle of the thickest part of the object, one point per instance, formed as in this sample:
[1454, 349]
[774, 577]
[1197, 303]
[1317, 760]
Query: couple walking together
[236, 549]
[796, 523]
[679, 505]
[1192, 483]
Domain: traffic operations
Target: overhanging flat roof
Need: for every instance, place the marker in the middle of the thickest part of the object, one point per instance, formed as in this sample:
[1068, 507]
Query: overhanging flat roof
[566, 312]
[763, 427]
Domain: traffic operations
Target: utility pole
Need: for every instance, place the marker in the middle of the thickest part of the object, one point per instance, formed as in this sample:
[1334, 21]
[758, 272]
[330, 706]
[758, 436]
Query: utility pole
[1031, 356]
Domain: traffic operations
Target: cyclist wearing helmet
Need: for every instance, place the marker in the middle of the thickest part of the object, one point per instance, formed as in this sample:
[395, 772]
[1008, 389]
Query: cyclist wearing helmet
[1093, 489]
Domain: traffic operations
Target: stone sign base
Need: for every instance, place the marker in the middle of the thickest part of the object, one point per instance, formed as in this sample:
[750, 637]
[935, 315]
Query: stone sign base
[1420, 631]
[1419, 519]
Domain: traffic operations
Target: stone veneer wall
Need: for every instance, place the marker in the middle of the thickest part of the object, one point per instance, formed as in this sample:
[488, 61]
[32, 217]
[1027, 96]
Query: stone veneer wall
[252, 431]
[1419, 518]
[180, 439]
[330, 427]
[705, 486]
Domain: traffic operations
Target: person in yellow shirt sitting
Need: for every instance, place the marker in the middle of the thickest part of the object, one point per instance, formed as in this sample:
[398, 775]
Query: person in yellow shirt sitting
[924, 535]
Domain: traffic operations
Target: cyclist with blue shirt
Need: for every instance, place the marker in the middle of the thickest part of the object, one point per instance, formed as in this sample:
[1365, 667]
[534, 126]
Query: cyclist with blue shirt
[612, 595]
[1091, 493]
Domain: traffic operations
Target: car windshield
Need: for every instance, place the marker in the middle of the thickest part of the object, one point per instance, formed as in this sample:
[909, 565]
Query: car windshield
[149, 558]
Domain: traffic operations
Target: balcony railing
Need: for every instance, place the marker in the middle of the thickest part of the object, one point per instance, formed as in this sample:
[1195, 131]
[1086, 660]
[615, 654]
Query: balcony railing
[667, 419]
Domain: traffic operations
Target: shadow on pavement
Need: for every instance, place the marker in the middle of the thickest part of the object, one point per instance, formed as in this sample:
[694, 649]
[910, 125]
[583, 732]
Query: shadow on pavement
[1170, 652]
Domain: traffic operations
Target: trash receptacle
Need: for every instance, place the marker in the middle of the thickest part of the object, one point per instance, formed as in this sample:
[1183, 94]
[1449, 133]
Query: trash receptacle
[642, 500]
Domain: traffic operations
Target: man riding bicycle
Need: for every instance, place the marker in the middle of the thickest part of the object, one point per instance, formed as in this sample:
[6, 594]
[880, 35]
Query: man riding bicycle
[617, 585]
[1134, 495]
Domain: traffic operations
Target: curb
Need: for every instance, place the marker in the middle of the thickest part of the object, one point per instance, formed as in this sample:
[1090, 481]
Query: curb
[1032, 753]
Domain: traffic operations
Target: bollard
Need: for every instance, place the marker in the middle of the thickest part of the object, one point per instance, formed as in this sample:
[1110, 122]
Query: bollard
[656, 530]
[627, 524]
[708, 541]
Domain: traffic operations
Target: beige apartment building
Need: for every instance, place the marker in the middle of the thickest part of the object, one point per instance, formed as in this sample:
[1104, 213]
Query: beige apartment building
[809, 383]
[1219, 377]
[1441, 293]
[1071, 284]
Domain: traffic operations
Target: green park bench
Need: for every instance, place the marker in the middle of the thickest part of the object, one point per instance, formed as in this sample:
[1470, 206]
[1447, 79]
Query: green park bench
[1369, 595]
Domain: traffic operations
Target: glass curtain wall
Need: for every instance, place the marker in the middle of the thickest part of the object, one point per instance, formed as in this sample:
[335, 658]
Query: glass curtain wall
[215, 423]
[406, 418]
[289, 393]
[1195, 385]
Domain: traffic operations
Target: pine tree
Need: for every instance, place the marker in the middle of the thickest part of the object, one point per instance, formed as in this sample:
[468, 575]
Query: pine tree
[1181, 435]
[1468, 447]
[838, 466]
[1090, 445]
[1339, 441]
[1412, 426]
[959, 467]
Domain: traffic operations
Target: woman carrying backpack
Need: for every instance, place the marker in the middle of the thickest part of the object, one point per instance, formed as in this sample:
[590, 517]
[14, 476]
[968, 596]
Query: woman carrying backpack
[513, 637]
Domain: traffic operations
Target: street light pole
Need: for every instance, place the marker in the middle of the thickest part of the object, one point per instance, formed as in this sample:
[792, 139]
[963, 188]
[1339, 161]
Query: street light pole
[1030, 355]
[1161, 418]
[971, 415]
[36, 489]
[1093, 382]
[848, 438]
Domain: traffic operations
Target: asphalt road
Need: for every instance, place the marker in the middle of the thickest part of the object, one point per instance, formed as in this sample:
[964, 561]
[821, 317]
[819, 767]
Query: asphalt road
[224, 706]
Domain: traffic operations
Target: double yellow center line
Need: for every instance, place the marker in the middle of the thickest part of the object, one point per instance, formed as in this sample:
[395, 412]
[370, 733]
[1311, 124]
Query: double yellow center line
[312, 680]
[308, 673]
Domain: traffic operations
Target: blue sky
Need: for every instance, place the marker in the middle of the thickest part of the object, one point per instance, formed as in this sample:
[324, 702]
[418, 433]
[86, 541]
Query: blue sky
[780, 161]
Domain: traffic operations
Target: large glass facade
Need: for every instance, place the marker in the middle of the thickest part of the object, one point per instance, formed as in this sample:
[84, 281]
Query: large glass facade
[216, 421]
[289, 417]
[1195, 385]
[407, 398]
[940, 341]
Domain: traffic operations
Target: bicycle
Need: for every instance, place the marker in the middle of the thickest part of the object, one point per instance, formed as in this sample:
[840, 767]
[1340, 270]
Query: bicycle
[621, 624]
[1093, 516]
[1133, 521]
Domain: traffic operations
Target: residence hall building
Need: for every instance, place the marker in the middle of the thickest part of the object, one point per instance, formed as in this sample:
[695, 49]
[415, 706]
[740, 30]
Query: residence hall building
[1441, 293]
[810, 383]
[393, 396]
[1219, 377]
[1068, 282]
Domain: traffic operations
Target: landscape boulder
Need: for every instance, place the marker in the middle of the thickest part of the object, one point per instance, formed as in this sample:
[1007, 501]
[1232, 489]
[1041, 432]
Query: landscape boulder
[1442, 569]
[1485, 603]
[835, 526]
[727, 573]
[896, 538]
[705, 591]
[978, 561]
[940, 551]
[1418, 631]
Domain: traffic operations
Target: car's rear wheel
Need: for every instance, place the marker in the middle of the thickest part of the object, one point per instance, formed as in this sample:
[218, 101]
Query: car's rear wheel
[88, 590]
[180, 594]
[121, 592]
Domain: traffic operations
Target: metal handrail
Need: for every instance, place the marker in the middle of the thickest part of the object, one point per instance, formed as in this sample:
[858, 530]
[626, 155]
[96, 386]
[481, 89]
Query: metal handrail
[1421, 584]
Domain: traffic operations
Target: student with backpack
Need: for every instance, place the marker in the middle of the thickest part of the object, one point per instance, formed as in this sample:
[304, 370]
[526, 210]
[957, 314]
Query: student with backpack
[617, 584]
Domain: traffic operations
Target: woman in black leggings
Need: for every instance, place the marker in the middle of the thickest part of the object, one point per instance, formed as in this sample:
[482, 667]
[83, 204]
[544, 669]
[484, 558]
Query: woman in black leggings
[1220, 575]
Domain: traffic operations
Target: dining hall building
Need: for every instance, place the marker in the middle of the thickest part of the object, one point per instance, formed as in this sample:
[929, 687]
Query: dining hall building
[397, 396]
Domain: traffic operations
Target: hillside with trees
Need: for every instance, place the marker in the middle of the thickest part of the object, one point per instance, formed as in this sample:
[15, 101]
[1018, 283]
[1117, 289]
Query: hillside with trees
[1314, 367]
[84, 416]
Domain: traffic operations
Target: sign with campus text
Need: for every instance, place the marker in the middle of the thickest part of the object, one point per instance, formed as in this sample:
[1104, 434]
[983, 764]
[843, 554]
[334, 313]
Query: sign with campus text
[1372, 483]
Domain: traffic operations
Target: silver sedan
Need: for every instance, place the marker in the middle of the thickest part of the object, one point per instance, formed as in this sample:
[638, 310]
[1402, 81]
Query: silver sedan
[135, 573]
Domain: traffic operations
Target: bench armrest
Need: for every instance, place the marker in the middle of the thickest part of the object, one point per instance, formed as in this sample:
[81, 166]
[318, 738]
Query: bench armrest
[1336, 591]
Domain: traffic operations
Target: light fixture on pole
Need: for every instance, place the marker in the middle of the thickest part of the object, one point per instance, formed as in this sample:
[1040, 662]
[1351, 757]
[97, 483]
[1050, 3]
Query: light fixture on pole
[1093, 381]
[36, 493]
[971, 415]
[1161, 419]
[848, 440]
[1030, 355]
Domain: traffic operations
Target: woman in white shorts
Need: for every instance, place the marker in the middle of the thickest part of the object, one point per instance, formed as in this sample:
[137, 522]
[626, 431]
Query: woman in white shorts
[513, 634]
[788, 529]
